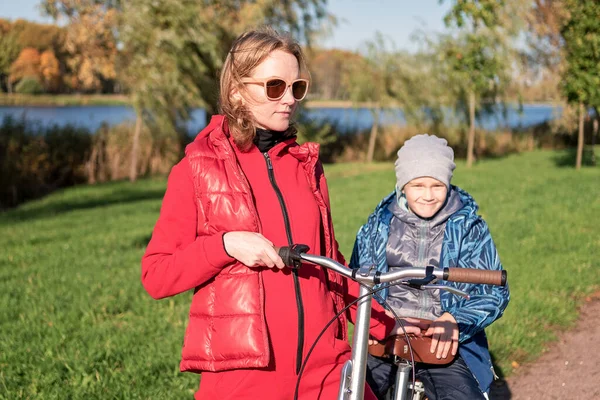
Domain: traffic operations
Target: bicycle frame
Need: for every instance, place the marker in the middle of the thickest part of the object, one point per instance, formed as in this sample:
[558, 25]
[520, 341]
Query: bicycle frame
[352, 382]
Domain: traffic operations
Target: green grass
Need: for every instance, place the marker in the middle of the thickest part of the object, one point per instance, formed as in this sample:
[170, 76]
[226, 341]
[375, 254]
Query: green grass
[77, 324]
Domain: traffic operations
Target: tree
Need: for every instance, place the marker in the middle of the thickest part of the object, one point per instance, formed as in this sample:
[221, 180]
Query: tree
[329, 71]
[27, 65]
[182, 45]
[478, 59]
[173, 50]
[198, 35]
[90, 40]
[50, 71]
[159, 91]
[544, 19]
[9, 51]
[29, 85]
[39, 36]
[369, 81]
[581, 77]
[20, 34]
[388, 79]
[541, 58]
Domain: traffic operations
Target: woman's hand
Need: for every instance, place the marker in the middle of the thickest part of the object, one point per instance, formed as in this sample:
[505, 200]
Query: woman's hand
[252, 249]
[444, 336]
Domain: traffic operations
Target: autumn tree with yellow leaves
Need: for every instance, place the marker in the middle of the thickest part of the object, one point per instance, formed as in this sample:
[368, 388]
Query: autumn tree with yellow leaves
[50, 73]
[27, 65]
[90, 41]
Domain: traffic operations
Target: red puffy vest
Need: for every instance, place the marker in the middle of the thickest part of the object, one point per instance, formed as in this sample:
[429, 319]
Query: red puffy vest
[232, 302]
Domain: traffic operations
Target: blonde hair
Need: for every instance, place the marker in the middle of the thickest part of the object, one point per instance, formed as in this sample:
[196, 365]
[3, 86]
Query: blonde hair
[247, 52]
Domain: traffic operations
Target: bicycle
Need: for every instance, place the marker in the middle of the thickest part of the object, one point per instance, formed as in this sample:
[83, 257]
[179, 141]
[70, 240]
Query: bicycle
[352, 382]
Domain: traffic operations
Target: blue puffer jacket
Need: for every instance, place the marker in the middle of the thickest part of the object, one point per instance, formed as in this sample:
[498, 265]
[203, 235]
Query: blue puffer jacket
[467, 244]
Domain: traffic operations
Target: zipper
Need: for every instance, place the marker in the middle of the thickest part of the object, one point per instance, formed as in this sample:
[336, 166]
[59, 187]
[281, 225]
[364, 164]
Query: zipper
[288, 231]
[422, 244]
[423, 296]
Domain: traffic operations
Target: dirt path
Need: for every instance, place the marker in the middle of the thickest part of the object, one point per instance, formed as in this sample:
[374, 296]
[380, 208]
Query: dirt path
[569, 369]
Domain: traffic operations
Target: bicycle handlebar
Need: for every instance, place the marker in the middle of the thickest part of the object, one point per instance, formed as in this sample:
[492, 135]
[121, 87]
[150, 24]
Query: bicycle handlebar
[470, 275]
[291, 255]
[353, 376]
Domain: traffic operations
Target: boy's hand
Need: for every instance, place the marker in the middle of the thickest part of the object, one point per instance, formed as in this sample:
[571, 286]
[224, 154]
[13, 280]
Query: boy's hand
[411, 325]
[444, 336]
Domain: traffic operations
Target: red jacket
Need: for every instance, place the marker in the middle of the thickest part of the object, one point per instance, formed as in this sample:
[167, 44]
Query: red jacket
[228, 296]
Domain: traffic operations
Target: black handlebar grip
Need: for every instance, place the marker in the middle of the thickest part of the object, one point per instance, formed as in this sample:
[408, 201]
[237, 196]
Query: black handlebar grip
[291, 254]
[469, 275]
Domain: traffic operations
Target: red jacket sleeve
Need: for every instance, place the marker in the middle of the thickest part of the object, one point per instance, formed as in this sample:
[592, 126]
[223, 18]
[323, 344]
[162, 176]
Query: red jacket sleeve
[381, 324]
[176, 259]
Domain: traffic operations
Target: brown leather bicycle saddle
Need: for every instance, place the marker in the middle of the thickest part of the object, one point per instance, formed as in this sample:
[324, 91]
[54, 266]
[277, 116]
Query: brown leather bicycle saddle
[397, 345]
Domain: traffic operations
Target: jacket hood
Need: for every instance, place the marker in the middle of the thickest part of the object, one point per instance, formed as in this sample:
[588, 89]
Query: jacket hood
[218, 131]
[469, 206]
[452, 204]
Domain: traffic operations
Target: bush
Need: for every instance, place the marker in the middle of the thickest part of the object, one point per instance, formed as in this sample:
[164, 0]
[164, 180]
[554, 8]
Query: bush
[110, 155]
[36, 161]
[324, 133]
[29, 86]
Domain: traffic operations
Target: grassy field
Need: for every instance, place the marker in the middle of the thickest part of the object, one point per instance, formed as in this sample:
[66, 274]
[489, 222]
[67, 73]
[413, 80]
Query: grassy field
[76, 323]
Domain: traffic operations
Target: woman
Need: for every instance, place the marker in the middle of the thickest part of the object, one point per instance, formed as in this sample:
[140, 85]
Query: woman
[245, 186]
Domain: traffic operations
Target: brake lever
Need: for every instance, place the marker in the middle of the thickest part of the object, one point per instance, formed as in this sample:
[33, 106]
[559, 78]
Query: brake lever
[450, 289]
[291, 254]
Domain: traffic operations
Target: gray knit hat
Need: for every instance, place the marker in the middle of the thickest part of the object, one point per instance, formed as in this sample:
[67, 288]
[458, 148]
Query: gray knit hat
[424, 155]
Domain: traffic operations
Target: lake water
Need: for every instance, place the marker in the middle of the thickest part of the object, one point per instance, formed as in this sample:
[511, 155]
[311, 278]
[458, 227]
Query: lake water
[348, 120]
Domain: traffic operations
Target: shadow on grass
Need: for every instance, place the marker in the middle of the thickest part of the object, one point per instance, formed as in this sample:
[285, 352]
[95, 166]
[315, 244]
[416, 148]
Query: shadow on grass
[141, 242]
[499, 390]
[567, 158]
[57, 206]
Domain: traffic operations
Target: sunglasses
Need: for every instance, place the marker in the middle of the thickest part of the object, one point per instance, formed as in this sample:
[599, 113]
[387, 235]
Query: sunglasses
[275, 88]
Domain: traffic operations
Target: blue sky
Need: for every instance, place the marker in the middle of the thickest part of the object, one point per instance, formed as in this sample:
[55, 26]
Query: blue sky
[358, 19]
[27, 9]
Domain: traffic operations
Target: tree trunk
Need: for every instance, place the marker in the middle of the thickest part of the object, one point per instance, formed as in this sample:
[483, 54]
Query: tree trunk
[135, 145]
[580, 137]
[91, 165]
[594, 134]
[471, 139]
[531, 141]
[373, 135]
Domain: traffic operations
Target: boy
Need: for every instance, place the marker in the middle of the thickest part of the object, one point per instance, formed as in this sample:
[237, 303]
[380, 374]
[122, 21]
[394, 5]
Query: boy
[427, 221]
